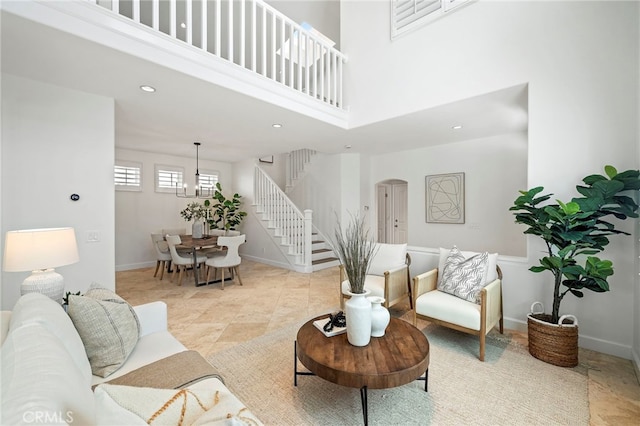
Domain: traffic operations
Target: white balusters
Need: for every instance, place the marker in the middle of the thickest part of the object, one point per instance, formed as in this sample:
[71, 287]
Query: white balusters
[269, 43]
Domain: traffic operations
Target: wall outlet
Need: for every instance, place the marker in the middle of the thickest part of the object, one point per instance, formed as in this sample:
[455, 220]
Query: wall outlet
[92, 236]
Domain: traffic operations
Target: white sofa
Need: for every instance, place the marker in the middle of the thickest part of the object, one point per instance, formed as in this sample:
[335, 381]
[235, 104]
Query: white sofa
[46, 376]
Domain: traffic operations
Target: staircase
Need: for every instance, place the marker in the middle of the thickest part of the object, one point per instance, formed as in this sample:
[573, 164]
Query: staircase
[292, 230]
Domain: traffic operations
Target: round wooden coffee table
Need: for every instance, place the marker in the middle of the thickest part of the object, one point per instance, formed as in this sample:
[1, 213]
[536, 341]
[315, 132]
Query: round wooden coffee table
[399, 357]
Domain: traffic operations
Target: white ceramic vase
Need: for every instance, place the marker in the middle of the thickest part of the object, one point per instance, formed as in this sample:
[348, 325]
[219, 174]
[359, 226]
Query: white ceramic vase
[196, 229]
[380, 316]
[357, 311]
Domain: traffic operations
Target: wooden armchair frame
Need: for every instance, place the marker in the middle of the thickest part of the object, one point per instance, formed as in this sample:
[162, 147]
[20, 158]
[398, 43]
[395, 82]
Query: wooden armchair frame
[490, 308]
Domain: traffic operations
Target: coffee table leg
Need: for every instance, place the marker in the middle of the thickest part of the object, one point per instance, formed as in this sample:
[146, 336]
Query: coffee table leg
[426, 380]
[363, 397]
[295, 363]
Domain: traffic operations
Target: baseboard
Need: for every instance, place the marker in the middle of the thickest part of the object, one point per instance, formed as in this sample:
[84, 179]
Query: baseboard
[129, 266]
[587, 342]
[268, 262]
[636, 365]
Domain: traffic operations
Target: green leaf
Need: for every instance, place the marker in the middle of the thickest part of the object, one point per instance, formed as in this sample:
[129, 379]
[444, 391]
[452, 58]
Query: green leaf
[610, 171]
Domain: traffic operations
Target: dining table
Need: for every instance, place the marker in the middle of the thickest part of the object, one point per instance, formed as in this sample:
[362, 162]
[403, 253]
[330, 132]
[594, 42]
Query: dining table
[195, 244]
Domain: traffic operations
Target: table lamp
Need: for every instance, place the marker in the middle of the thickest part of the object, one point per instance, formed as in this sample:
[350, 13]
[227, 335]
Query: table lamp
[39, 251]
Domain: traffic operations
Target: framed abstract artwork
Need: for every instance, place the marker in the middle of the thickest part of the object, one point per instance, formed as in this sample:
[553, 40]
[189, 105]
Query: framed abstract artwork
[444, 195]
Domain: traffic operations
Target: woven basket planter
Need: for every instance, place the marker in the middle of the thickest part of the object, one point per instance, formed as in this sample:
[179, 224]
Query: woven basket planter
[556, 344]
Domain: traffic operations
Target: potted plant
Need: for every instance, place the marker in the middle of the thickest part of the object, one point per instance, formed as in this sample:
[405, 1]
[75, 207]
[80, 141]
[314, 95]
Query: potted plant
[356, 249]
[226, 211]
[196, 212]
[574, 232]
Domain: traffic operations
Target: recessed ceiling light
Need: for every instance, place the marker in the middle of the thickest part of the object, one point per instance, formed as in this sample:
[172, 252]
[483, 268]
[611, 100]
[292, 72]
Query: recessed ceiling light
[457, 127]
[183, 25]
[149, 89]
[276, 125]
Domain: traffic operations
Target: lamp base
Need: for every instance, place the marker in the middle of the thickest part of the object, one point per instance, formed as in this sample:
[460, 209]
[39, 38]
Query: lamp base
[47, 282]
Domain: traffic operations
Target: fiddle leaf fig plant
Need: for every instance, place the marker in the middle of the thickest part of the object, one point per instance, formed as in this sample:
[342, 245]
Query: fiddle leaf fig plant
[574, 232]
[226, 211]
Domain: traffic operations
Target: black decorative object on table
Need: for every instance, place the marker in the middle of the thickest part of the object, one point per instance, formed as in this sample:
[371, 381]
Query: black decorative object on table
[336, 319]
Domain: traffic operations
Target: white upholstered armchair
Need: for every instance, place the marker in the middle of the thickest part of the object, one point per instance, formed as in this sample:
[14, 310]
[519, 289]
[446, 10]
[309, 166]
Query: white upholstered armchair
[433, 299]
[388, 275]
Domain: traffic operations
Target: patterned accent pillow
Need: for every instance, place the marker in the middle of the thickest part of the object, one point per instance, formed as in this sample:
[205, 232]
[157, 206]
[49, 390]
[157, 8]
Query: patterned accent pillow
[464, 278]
[108, 327]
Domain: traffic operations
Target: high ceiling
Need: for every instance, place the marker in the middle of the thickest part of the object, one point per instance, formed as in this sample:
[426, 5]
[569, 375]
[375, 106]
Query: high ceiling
[230, 125]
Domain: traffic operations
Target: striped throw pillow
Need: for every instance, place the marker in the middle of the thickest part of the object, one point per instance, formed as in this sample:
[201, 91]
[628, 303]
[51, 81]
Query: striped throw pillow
[464, 278]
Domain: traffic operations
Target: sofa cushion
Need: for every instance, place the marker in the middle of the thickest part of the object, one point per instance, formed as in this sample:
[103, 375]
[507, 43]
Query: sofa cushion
[40, 380]
[108, 327]
[38, 308]
[464, 277]
[386, 257]
[491, 272]
[150, 348]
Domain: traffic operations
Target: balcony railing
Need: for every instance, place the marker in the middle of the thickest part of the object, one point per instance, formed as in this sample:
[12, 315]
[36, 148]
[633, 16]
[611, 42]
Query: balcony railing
[250, 34]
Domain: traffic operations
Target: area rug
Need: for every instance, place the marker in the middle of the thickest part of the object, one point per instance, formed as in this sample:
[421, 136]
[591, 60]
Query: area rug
[509, 388]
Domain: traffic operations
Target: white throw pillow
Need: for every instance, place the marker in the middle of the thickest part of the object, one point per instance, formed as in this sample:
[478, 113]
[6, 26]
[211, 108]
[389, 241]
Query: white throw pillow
[108, 327]
[387, 257]
[464, 277]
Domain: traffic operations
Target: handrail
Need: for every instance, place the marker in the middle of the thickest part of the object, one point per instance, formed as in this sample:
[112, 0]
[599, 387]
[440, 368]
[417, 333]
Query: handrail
[290, 223]
[250, 34]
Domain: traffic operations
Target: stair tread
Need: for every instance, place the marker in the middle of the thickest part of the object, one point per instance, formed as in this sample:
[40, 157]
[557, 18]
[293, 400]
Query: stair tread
[322, 250]
[325, 260]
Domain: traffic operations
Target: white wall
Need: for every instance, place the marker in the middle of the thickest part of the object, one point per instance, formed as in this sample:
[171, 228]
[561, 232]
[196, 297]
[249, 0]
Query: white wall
[580, 60]
[138, 214]
[495, 170]
[56, 142]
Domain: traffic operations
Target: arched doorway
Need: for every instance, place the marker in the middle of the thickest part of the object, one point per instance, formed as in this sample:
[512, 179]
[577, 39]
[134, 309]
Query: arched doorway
[391, 211]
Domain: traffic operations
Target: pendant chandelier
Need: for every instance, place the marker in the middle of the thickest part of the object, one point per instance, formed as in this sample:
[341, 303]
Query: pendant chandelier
[201, 191]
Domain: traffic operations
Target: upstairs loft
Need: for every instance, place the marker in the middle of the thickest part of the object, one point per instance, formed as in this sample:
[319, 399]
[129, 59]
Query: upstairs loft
[243, 45]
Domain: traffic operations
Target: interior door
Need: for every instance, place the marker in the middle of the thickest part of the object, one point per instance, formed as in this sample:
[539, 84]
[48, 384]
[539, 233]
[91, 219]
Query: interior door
[400, 201]
[382, 212]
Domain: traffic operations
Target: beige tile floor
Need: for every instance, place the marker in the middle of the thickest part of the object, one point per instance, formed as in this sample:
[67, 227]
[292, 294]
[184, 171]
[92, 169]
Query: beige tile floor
[208, 319]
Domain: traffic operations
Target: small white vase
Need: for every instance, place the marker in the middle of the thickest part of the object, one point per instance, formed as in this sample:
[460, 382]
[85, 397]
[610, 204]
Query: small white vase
[357, 311]
[196, 229]
[380, 316]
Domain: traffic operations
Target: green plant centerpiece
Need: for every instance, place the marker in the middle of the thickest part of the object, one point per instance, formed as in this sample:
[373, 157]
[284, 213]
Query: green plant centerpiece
[574, 232]
[226, 213]
[194, 211]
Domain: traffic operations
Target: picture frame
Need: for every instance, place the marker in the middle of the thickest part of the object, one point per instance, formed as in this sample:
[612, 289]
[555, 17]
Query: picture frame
[268, 159]
[444, 198]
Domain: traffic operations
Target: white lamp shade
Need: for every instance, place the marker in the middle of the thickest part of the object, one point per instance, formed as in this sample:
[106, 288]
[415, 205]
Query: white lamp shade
[37, 249]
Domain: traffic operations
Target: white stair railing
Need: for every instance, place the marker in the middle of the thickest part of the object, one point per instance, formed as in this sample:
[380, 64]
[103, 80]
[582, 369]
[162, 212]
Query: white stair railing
[296, 162]
[287, 221]
[250, 34]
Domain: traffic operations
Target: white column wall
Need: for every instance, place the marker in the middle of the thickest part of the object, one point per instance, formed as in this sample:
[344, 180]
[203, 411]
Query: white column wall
[57, 142]
[580, 60]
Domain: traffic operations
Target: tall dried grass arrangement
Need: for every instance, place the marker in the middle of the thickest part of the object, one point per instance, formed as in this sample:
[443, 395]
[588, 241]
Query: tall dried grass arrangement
[355, 248]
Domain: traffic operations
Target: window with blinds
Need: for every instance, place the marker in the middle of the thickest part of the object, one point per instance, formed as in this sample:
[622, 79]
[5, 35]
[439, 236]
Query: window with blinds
[407, 15]
[208, 179]
[168, 178]
[127, 176]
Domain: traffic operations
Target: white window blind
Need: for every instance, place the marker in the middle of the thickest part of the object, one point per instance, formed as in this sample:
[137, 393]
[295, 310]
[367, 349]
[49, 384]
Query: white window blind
[127, 176]
[168, 178]
[407, 15]
[208, 179]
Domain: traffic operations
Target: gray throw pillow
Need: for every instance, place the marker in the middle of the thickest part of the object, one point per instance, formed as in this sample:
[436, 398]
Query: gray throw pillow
[108, 327]
[464, 278]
